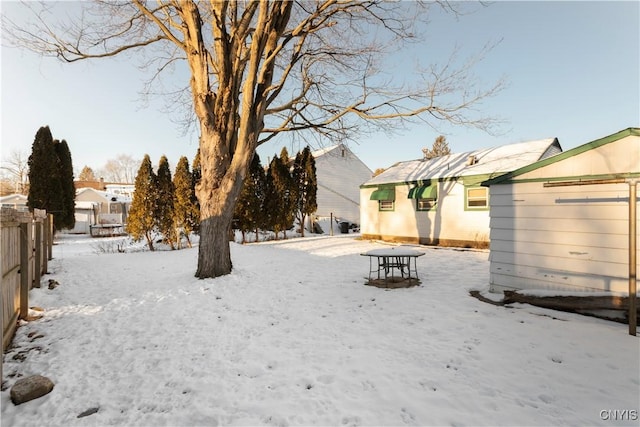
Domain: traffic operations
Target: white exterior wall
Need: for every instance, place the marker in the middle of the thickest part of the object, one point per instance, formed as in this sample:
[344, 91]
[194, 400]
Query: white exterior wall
[339, 178]
[448, 222]
[90, 195]
[84, 219]
[565, 238]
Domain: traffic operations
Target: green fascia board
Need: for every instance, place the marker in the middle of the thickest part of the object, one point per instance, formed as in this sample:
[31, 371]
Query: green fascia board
[629, 175]
[420, 182]
[423, 192]
[384, 193]
[508, 177]
[476, 180]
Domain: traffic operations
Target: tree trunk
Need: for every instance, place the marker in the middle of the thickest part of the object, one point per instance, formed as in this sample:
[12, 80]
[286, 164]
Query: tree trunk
[149, 239]
[220, 184]
[302, 218]
[214, 254]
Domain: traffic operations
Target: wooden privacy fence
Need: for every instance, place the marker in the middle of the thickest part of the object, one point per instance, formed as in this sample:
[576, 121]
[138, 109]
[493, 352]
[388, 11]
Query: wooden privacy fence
[26, 241]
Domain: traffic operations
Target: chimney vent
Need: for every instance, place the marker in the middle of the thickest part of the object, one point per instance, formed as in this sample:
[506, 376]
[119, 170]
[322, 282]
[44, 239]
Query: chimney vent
[472, 160]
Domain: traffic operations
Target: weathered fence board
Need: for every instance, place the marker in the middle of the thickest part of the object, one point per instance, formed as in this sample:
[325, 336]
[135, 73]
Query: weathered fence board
[25, 242]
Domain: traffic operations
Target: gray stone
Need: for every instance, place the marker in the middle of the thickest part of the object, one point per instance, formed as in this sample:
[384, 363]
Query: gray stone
[88, 412]
[30, 388]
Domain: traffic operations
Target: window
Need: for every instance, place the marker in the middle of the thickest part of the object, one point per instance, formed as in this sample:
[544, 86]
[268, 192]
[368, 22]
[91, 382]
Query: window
[477, 198]
[385, 205]
[386, 196]
[426, 195]
[426, 204]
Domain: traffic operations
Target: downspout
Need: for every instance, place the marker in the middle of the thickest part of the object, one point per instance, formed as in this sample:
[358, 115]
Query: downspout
[632, 255]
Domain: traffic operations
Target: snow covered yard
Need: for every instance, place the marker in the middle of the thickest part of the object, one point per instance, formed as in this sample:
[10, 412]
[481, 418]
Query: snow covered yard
[293, 337]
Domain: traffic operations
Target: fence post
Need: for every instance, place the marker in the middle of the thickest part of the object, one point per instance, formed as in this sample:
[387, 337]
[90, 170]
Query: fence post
[37, 271]
[25, 228]
[331, 224]
[45, 245]
[49, 231]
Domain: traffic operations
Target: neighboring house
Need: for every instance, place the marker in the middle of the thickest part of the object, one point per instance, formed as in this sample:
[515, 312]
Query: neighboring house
[339, 173]
[15, 201]
[441, 201]
[125, 190]
[97, 211]
[96, 185]
[550, 230]
[116, 188]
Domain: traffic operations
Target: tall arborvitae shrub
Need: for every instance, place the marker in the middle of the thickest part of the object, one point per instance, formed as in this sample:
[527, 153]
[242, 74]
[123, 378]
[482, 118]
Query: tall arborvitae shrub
[164, 208]
[277, 200]
[249, 212]
[290, 191]
[67, 217]
[185, 211]
[272, 201]
[306, 184]
[196, 173]
[141, 221]
[45, 185]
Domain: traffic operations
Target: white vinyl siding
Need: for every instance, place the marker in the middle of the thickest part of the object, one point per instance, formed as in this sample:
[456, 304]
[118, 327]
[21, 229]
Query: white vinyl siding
[562, 238]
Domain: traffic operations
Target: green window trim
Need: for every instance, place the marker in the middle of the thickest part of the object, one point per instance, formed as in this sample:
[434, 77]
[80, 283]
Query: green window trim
[386, 205]
[476, 199]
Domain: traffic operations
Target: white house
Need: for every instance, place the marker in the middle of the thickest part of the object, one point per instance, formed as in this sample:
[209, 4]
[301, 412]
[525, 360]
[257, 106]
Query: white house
[441, 201]
[563, 223]
[99, 211]
[15, 201]
[339, 173]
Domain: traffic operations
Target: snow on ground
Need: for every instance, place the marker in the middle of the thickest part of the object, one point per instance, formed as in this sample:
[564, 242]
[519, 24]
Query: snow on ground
[293, 337]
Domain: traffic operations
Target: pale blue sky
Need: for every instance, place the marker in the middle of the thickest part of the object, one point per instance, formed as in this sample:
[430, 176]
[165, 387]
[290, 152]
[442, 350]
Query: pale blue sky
[573, 70]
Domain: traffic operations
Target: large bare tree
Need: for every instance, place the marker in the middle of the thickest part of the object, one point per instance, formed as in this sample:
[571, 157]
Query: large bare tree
[260, 68]
[122, 169]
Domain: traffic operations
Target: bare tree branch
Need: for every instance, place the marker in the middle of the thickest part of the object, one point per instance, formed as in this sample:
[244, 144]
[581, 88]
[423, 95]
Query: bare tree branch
[260, 68]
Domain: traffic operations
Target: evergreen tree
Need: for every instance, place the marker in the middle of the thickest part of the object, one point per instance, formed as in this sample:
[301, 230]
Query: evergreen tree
[440, 148]
[249, 212]
[164, 214]
[306, 184]
[87, 174]
[41, 170]
[67, 217]
[185, 211]
[140, 222]
[271, 199]
[278, 203]
[290, 195]
[196, 173]
[45, 189]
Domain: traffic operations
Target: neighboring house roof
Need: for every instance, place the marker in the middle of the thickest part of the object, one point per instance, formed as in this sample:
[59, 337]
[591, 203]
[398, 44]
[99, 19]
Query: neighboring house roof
[339, 150]
[565, 155]
[13, 199]
[486, 162]
[340, 171]
[100, 185]
[108, 197]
